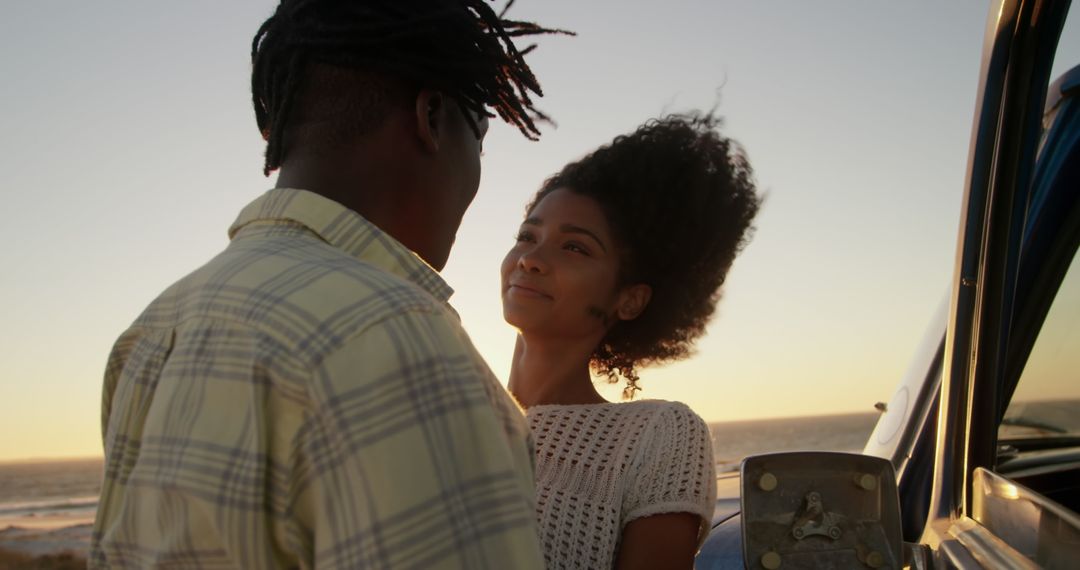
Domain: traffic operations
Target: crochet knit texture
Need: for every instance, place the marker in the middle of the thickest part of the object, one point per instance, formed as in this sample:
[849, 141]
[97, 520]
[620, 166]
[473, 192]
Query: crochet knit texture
[600, 466]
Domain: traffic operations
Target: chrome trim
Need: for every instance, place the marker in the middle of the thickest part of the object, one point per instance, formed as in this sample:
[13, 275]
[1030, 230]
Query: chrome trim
[989, 550]
[1032, 525]
[952, 440]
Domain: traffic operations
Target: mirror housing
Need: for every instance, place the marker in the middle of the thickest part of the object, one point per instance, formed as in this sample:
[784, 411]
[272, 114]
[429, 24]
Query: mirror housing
[818, 509]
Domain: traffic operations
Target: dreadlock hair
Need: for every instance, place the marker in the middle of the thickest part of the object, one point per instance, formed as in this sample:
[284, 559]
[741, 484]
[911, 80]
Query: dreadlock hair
[461, 47]
[680, 199]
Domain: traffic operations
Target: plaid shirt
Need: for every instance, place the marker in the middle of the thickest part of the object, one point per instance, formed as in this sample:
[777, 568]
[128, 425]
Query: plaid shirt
[308, 399]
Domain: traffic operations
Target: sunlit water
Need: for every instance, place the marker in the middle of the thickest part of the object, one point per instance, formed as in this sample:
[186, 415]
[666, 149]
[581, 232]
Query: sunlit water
[60, 493]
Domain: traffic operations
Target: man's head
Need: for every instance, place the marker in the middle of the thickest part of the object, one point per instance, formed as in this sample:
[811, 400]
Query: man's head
[329, 76]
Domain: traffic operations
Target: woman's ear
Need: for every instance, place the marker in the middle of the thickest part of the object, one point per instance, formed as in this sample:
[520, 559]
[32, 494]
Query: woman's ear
[632, 301]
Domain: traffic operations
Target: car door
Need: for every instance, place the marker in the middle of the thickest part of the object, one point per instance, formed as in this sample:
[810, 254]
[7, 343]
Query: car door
[1007, 457]
[1028, 498]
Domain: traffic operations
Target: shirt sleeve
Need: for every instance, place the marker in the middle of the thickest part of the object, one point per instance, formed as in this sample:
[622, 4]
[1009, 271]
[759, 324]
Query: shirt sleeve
[676, 473]
[407, 463]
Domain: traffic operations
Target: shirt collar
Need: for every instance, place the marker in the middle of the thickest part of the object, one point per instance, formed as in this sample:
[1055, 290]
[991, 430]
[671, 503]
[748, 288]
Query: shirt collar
[346, 230]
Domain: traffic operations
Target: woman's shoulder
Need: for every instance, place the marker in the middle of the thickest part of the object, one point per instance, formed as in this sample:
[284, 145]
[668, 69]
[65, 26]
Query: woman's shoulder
[664, 423]
[631, 408]
[673, 413]
[651, 415]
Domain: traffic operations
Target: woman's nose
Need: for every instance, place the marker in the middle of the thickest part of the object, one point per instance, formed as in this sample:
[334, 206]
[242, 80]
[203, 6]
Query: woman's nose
[531, 262]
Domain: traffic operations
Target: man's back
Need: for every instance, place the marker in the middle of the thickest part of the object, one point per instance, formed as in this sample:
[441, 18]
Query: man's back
[308, 398]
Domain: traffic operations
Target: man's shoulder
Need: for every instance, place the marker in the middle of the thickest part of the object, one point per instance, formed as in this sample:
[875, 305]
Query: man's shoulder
[289, 287]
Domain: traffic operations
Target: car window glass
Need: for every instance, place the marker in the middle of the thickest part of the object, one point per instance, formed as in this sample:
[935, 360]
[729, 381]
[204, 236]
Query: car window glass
[1046, 403]
[1068, 50]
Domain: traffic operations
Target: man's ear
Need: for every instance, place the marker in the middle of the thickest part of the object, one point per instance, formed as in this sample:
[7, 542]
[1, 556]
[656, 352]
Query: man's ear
[431, 117]
[632, 301]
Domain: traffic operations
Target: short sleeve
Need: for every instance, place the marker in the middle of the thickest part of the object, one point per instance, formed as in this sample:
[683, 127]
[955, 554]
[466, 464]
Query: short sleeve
[676, 473]
[408, 461]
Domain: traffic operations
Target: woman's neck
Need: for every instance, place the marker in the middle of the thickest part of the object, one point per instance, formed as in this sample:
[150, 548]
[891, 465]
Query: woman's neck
[551, 372]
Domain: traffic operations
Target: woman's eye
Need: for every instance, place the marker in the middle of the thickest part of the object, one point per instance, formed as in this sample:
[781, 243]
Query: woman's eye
[576, 248]
[523, 236]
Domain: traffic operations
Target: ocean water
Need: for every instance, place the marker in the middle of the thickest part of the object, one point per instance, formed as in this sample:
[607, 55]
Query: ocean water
[56, 494]
[732, 441]
[49, 494]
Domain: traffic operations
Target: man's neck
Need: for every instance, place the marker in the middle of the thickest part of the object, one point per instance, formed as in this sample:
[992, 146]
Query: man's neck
[378, 193]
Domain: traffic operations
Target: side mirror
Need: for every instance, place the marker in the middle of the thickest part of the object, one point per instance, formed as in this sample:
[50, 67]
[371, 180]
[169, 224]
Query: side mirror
[820, 509]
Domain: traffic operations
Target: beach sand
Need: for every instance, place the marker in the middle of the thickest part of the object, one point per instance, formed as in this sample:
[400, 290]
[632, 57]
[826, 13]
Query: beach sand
[10, 560]
[41, 546]
[36, 541]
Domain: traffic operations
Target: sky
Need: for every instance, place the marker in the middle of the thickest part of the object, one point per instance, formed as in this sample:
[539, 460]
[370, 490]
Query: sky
[130, 145]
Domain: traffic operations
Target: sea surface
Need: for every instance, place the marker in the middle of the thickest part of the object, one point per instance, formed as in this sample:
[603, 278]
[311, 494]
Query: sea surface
[49, 494]
[57, 494]
[732, 441]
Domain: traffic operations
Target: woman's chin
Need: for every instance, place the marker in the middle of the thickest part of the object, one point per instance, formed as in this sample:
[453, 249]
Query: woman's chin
[515, 320]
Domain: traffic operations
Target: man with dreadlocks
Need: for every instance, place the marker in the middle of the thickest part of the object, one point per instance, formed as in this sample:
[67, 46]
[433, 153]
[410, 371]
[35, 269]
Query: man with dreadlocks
[308, 398]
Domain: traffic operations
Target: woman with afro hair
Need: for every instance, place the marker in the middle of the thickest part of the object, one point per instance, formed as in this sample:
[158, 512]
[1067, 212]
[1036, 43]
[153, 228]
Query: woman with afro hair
[618, 265]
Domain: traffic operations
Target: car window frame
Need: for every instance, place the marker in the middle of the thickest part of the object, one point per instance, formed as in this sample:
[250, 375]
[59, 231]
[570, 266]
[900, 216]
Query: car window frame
[1051, 238]
[1021, 40]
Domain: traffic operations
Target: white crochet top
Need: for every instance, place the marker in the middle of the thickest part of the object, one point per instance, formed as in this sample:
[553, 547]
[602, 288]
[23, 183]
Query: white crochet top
[600, 466]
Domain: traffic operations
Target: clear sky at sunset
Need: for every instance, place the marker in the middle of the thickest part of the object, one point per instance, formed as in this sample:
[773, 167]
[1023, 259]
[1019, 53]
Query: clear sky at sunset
[129, 146]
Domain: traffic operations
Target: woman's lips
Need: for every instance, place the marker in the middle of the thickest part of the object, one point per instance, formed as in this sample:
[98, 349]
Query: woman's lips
[526, 291]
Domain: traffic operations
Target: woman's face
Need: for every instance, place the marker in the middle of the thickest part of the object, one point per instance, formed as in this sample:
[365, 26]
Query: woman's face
[560, 277]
